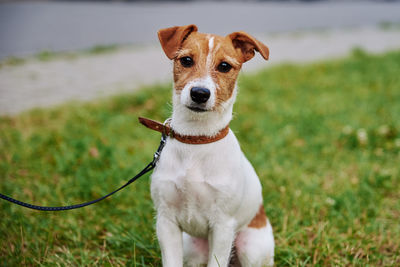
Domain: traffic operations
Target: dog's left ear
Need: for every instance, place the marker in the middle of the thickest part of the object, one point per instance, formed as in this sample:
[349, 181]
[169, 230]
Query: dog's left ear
[172, 38]
[246, 44]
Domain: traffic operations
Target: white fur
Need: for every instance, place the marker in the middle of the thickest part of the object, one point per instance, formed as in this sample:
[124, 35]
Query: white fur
[206, 195]
[210, 52]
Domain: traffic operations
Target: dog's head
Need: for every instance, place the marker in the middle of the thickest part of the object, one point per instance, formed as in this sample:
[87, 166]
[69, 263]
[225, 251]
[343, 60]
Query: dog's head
[206, 66]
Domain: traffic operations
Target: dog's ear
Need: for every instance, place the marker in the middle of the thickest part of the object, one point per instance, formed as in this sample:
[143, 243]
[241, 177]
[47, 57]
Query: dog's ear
[172, 38]
[246, 44]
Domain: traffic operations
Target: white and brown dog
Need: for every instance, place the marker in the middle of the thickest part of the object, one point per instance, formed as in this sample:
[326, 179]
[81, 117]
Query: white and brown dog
[206, 193]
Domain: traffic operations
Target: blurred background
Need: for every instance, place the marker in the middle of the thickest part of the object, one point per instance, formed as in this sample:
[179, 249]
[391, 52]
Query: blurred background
[33, 26]
[48, 36]
[319, 121]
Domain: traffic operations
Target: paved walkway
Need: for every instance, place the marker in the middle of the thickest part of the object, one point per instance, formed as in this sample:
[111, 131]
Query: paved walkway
[40, 84]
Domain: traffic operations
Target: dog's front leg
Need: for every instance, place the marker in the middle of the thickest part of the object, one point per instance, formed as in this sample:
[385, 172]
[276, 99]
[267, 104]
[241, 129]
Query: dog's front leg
[220, 240]
[170, 239]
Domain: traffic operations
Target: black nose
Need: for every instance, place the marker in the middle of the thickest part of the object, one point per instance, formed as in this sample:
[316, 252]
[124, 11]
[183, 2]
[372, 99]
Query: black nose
[199, 95]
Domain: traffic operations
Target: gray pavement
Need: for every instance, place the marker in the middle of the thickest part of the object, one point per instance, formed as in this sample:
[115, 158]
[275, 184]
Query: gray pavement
[31, 27]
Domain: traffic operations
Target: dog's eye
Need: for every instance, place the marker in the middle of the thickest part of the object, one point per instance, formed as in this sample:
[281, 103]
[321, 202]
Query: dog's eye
[224, 67]
[187, 62]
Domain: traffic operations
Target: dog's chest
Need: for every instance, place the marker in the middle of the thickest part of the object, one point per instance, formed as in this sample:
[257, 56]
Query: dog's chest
[193, 184]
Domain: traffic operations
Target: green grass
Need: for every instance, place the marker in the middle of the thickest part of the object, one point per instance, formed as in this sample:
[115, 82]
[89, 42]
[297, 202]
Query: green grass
[324, 139]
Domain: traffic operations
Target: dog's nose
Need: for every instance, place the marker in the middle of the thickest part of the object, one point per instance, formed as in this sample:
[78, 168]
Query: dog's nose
[199, 95]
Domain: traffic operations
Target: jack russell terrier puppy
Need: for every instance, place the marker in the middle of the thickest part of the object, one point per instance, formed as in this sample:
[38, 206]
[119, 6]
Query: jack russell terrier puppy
[206, 193]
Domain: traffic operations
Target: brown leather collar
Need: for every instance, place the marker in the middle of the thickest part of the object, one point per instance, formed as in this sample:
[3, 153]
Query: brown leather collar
[187, 139]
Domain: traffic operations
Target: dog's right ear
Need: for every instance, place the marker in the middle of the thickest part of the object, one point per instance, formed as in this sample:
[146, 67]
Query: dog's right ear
[172, 38]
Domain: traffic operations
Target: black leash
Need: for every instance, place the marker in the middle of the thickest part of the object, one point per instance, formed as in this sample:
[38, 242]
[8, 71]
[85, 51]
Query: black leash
[146, 169]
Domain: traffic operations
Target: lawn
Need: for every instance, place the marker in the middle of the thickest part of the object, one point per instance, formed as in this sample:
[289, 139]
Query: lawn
[324, 139]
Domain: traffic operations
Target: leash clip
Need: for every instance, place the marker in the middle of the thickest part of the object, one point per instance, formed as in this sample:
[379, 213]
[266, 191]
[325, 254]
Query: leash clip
[157, 155]
[163, 141]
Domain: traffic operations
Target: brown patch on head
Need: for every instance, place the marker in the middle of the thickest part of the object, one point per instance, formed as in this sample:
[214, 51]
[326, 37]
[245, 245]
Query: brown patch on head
[225, 52]
[260, 220]
[195, 47]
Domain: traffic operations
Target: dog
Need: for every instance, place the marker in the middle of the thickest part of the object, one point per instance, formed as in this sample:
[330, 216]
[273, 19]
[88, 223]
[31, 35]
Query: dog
[206, 193]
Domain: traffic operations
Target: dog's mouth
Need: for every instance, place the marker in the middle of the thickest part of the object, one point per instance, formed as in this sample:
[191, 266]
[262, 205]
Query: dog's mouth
[197, 109]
